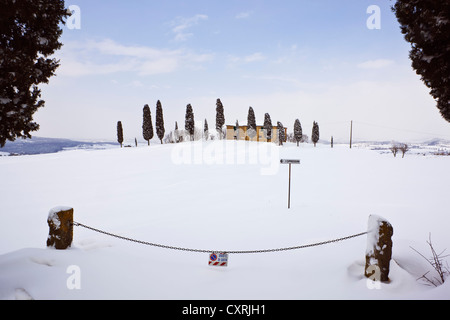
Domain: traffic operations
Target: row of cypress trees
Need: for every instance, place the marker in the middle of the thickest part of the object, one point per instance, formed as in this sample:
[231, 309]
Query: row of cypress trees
[147, 126]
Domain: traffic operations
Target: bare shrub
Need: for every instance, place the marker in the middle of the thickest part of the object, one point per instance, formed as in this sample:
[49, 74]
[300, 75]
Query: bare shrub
[403, 148]
[437, 262]
[394, 149]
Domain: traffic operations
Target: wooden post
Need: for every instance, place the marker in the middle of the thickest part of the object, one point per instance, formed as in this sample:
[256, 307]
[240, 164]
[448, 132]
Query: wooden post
[379, 249]
[60, 222]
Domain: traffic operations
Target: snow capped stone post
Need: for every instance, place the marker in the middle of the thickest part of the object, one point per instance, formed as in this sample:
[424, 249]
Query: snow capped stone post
[60, 221]
[379, 249]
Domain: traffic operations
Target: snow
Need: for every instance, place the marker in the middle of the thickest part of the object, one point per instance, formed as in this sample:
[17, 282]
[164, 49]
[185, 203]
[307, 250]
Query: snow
[373, 235]
[148, 194]
[55, 210]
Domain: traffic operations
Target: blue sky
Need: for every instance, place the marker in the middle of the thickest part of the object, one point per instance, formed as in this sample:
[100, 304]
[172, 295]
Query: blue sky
[311, 60]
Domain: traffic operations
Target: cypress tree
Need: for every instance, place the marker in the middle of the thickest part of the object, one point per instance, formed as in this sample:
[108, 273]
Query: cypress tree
[426, 25]
[315, 133]
[237, 130]
[119, 133]
[29, 36]
[147, 127]
[251, 123]
[281, 133]
[220, 118]
[267, 127]
[178, 137]
[189, 123]
[297, 131]
[159, 121]
[206, 130]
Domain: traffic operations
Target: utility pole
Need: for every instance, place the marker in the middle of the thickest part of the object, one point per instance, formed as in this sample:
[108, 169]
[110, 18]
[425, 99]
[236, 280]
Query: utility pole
[351, 133]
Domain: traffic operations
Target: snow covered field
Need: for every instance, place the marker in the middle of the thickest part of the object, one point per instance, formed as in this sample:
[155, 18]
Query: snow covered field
[223, 196]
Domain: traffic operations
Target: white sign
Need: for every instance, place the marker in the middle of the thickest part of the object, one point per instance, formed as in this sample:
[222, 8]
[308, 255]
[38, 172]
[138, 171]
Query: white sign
[289, 161]
[218, 259]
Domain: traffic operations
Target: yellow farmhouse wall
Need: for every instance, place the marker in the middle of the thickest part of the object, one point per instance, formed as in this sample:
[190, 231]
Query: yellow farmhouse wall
[232, 134]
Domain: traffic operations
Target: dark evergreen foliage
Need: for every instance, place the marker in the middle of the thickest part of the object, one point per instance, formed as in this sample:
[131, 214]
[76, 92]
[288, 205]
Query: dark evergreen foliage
[147, 127]
[281, 133]
[426, 25]
[119, 133]
[26, 41]
[315, 133]
[189, 124]
[206, 130]
[251, 123]
[267, 126]
[220, 118]
[297, 131]
[159, 123]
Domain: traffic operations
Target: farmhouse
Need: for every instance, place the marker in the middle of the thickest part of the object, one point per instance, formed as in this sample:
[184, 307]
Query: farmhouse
[241, 133]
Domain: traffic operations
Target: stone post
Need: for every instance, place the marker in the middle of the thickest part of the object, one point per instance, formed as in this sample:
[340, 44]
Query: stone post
[379, 249]
[60, 222]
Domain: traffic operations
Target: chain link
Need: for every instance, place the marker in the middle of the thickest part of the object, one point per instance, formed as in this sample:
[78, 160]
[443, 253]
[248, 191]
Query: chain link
[218, 251]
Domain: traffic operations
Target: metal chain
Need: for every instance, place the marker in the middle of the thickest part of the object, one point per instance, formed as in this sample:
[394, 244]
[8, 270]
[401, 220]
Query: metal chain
[216, 251]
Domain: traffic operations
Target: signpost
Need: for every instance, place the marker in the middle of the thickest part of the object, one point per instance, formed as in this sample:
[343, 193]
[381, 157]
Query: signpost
[290, 162]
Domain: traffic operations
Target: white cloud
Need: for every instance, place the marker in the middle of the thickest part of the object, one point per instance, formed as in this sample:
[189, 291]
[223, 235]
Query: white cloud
[181, 26]
[108, 57]
[136, 84]
[255, 57]
[258, 56]
[110, 47]
[375, 64]
[73, 67]
[243, 15]
[291, 81]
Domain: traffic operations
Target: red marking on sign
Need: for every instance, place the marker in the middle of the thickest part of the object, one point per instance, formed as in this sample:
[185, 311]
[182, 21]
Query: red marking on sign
[220, 264]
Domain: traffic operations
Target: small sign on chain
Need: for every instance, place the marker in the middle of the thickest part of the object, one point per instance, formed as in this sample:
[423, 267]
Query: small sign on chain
[218, 259]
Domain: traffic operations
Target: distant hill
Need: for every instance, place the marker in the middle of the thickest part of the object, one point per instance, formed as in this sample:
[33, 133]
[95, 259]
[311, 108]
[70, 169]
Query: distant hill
[38, 145]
